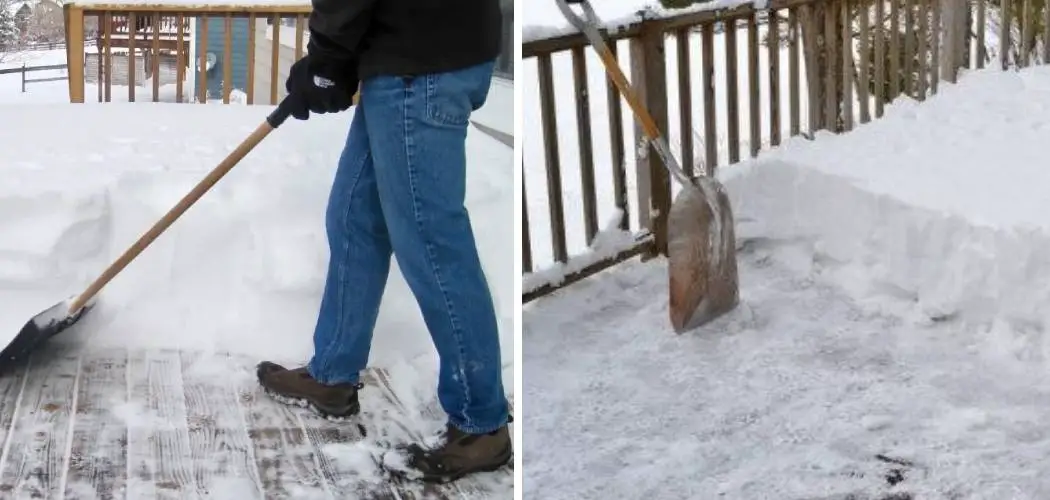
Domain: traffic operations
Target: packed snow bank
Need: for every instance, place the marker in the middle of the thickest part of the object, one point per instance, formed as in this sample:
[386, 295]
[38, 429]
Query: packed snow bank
[942, 202]
[243, 270]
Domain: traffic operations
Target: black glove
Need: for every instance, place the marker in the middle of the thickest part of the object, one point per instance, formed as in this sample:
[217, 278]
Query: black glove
[321, 82]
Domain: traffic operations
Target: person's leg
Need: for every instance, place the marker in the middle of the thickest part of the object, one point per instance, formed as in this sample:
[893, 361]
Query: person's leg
[417, 130]
[357, 274]
[358, 267]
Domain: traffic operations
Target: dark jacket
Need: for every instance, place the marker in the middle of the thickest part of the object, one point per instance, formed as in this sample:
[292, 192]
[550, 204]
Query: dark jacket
[407, 37]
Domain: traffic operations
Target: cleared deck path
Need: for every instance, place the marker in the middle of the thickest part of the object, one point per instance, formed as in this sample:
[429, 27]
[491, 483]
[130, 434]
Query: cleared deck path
[109, 424]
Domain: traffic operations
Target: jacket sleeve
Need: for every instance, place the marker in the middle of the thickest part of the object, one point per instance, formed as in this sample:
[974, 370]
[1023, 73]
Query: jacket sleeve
[339, 26]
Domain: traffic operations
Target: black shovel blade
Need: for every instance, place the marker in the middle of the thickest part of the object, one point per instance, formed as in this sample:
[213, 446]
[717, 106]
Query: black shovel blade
[41, 327]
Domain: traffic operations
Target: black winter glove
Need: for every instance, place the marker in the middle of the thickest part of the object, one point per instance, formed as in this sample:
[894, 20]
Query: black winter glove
[320, 82]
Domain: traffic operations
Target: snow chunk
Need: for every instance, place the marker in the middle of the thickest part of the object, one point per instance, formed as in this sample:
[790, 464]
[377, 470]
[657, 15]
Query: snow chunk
[607, 243]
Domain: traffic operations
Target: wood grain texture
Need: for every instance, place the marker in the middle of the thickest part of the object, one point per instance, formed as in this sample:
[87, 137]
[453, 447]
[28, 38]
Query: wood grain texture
[98, 455]
[114, 424]
[36, 453]
[159, 457]
[284, 455]
[222, 455]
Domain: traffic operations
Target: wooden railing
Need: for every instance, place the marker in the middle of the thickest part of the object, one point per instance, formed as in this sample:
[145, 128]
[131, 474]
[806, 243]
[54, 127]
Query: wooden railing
[158, 37]
[831, 65]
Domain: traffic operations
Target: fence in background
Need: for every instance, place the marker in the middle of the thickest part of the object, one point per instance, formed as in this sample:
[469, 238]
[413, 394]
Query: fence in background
[154, 42]
[41, 46]
[25, 71]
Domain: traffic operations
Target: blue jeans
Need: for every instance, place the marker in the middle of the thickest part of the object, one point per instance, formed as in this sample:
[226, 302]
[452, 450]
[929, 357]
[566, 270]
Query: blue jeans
[399, 190]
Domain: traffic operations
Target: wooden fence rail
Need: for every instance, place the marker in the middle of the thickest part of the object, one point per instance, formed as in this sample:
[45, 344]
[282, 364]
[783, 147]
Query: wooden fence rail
[793, 68]
[26, 70]
[42, 46]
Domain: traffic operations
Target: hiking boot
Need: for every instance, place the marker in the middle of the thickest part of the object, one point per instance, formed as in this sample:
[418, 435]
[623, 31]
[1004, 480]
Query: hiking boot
[455, 455]
[297, 387]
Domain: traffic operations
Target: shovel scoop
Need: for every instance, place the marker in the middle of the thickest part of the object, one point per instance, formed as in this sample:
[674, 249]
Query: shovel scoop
[701, 247]
[62, 316]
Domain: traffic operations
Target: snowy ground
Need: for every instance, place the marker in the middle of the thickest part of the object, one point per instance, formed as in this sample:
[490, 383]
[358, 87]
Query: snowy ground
[240, 273]
[893, 343]
[33, 58]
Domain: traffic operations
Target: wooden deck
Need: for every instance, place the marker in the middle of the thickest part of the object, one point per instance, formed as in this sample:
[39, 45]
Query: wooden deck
[111, 424]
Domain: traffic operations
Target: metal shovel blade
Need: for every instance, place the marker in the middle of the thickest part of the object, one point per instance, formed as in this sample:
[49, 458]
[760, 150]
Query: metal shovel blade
[701, 255]
[39, 329]
[701, 246]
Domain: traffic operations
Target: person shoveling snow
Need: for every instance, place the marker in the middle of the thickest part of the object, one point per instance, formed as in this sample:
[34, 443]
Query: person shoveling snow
[423, 68]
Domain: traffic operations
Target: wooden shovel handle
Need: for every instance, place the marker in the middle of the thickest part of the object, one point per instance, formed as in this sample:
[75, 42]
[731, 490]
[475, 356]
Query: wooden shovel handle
[273, 121]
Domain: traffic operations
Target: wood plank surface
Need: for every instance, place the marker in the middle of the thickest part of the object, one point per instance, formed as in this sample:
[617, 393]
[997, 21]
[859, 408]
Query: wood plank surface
[115, 424]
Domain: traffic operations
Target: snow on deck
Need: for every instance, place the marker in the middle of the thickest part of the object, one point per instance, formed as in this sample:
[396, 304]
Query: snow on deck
[890, 338]
[616, 14]
[240, 273]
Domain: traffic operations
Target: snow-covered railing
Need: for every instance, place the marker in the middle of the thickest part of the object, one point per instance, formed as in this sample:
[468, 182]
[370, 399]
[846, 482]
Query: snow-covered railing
[199, 51]
[768, 70]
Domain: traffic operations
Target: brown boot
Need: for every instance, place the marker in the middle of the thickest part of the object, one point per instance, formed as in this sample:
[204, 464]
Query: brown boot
[297, 387]
[456, 454]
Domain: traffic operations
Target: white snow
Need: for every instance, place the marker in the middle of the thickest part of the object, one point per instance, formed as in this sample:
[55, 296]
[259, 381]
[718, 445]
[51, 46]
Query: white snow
[495, 112]
[35, 58]
[953, 211]
[286, 34]
[615, 15]
[243, 269]
[894, 291]
[609, 242]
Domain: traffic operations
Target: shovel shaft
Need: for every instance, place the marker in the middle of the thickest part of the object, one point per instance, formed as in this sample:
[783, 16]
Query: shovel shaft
[589, 27]
[274, 120]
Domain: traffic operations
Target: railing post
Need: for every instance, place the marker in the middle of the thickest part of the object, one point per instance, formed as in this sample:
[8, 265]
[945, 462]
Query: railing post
[649, 78]
[74, 19]
[23, 78]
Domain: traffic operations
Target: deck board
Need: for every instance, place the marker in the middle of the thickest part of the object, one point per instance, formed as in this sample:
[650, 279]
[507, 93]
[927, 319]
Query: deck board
[283, 454]
[159, 459]
[36, 455]
[222, 455]
[113, 424]
[98, 456]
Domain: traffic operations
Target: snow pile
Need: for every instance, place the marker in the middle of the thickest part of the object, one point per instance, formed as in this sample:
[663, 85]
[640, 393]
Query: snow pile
[941, 203]
[243, 270]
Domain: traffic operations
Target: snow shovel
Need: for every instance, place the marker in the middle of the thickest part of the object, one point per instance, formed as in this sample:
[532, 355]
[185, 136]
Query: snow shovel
[701, 244]
[63, 315]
